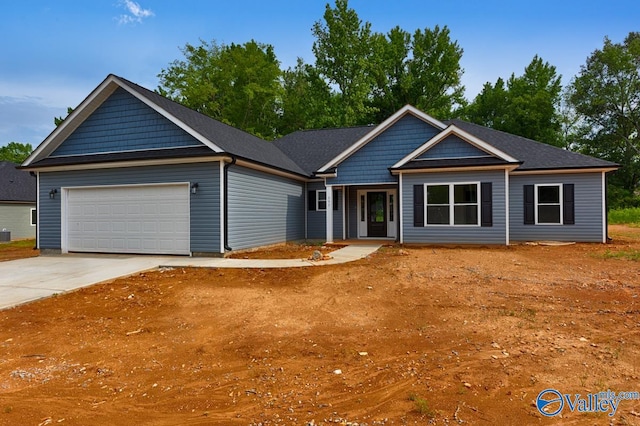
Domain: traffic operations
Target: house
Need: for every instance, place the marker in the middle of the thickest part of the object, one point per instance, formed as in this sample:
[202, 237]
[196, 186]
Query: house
[130, 171]
[17, 201]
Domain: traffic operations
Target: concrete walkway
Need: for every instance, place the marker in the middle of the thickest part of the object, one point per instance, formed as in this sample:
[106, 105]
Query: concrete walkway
[343, 255]
[25, 280]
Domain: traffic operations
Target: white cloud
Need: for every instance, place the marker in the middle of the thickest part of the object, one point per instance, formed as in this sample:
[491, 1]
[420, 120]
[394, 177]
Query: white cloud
[136, 13]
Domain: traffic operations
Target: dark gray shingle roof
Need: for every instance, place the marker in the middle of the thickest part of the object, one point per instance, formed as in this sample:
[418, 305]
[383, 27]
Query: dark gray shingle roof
[534, 155]
[16, 185]
[312, 149]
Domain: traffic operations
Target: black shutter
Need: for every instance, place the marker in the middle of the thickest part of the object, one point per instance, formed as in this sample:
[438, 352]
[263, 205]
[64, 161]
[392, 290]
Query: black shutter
[335, 199]
[486, 204]
[312, 200]
[418, 205]
[529, 205]
[568, 205]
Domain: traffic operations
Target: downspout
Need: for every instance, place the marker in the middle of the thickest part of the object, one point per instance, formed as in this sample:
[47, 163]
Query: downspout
[226, 203]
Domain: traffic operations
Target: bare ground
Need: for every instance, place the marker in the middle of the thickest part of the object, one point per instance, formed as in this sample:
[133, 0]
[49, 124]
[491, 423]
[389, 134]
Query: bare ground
[420, 335]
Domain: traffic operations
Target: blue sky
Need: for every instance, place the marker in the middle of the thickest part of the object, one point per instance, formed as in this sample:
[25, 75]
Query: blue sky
[54, 53]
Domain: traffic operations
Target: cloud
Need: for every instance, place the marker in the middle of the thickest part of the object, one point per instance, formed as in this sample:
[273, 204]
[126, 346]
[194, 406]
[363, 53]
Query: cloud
[135, 13]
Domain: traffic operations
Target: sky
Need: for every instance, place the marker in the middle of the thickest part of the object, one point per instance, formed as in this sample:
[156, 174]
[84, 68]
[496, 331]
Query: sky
[55, 52]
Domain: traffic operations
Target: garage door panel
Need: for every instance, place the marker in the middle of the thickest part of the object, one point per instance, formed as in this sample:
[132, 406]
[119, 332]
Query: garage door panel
[151, 219]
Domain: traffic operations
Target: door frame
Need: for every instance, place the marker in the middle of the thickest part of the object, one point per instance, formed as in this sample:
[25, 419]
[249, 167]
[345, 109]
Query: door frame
[391, 212]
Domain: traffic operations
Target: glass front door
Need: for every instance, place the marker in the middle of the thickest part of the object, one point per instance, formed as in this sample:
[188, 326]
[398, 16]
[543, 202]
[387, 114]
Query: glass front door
[376, 214]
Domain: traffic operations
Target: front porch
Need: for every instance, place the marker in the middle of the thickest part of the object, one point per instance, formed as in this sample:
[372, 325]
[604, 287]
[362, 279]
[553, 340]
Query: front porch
[363, 213]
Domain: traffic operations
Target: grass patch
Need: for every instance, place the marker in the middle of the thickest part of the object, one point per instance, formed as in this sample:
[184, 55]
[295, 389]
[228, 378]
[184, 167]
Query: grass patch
[629, 216]
[422, 406]
[622, 254]
[18, 244]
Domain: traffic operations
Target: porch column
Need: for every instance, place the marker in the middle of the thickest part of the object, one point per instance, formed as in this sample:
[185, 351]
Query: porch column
[329, 213]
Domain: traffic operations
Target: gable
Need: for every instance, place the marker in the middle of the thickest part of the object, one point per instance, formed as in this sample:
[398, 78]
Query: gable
[452, 146]
[124, 123]
[370, 163]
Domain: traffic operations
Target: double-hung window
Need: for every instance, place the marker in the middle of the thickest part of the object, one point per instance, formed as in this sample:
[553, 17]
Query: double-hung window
[452, 204]
[548, 203]
[321, 200]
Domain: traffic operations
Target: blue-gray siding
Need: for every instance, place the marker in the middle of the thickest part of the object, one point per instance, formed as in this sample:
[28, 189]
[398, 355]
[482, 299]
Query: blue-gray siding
[124, 123]
[317, 220]
[588, 209]
[453, 147]
[370, 164]
[204, 211]
[16, 218]
[263, 208]
[495, 234]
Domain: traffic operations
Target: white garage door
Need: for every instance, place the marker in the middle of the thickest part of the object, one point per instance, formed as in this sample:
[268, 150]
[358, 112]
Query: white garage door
[149, 219]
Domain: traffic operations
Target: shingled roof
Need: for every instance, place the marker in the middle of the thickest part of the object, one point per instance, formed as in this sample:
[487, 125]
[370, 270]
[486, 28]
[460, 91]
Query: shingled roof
[17, 186]
[311, 149]
[534, 155]
[302, 152]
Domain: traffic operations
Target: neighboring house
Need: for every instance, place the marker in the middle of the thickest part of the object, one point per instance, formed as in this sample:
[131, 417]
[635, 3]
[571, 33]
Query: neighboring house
[17, 201]
[130, 171]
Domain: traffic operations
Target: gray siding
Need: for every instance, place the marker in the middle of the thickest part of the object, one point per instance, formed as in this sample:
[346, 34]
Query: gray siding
[16, 218]
[263, 208]
[588, 209]
[317, 220]
[495, 234]
[370, 163]
[452, 147]
[205, 205]
[124, 123]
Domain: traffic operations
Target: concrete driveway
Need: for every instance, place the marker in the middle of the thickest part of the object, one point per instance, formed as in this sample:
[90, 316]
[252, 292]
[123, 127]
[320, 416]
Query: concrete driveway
[29, 279]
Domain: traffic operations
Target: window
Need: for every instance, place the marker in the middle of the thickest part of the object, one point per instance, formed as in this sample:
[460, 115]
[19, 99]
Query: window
[34, 217]
[321, 200]
[391, 207]
[548, 204]
[452, 204]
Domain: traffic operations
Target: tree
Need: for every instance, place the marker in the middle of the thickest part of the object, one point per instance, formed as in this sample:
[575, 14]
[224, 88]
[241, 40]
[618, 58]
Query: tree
[307, 101]
[527, 106]
[58, 120]
[344, 56]
[490, 107]
[422, 69]
[606, 95]
[236, 84]
[15, 152]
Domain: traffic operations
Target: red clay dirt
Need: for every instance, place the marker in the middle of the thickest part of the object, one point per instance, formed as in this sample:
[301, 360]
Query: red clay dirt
[424, 335]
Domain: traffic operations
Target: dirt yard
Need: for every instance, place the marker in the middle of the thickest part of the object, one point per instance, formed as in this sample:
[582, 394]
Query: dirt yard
[407, 336]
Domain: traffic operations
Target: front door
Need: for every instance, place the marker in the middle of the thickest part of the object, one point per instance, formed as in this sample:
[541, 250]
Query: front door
[377, 214]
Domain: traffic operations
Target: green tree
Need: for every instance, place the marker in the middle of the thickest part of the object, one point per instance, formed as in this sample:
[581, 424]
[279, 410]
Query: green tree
[490, 107]
[307, 101]
[422, 69]
[435, 73]
[58, 120]
[236, 84]
[15, 152]
[527, 106]
[606, 95]
[344, 57]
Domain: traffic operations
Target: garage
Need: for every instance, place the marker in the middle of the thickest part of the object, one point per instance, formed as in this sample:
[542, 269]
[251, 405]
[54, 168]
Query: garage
[144, 219]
